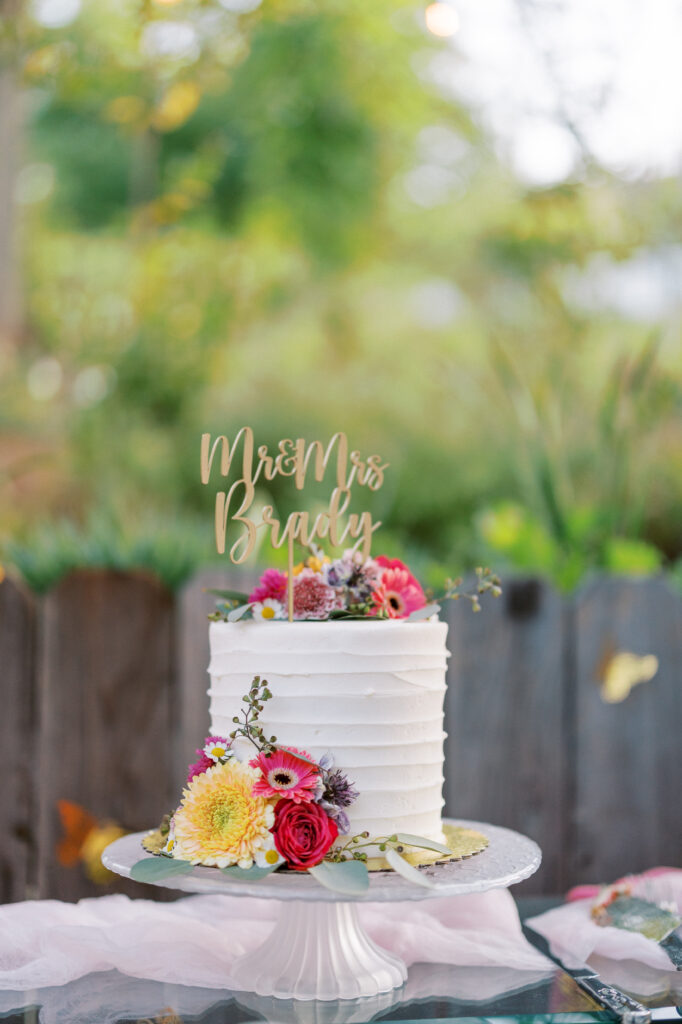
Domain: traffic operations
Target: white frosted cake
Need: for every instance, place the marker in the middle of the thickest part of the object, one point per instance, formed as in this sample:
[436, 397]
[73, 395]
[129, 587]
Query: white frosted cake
[369, 692]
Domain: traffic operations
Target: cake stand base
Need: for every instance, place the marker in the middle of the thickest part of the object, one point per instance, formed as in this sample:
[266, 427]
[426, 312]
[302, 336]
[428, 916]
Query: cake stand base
[319, 951]
[318, 948]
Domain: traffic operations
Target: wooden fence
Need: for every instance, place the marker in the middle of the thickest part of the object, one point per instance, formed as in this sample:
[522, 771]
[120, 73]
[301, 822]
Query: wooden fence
[103, 702]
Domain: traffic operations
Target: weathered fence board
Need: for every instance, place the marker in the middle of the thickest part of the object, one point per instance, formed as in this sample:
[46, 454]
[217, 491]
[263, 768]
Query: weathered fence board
[195, 604]
[505, 760]
[17, 742]
[106, 699]
[628, 783]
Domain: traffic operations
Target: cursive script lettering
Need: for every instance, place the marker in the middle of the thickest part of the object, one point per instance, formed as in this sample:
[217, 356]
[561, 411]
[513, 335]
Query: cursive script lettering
[292, 459]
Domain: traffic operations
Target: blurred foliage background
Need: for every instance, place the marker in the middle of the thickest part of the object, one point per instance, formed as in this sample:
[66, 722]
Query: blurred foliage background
[230, 212]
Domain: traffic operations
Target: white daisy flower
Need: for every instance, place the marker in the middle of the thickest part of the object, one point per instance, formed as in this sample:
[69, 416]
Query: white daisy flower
[267, 610]
[170, 839]
[268, 856]
[217, 750]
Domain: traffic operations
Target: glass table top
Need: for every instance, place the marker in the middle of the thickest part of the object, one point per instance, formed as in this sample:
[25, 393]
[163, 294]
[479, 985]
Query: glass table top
[433, 992]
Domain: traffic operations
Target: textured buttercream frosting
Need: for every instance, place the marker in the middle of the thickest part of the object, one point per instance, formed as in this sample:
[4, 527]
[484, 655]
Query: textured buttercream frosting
[371, 693]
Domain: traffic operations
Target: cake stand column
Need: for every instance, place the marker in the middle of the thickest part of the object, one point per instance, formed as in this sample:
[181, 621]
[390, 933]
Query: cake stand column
[318, 951]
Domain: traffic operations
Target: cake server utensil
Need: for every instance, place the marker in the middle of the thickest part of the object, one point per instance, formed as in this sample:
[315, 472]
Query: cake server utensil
[625, 1008]
[634, 914]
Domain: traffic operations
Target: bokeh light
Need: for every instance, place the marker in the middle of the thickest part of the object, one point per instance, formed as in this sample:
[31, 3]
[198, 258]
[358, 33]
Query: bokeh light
[92, 384]
[55, 13]
[174, 39]
[44, 379]
[35, 182]
[441, 19]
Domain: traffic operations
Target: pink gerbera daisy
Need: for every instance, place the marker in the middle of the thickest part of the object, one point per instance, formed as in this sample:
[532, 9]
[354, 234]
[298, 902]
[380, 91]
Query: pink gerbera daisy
[395, 563]
[399, 593]
[286, 775]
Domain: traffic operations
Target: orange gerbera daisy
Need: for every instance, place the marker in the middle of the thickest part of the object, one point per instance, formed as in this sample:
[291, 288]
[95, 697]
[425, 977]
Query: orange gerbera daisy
[219, 821]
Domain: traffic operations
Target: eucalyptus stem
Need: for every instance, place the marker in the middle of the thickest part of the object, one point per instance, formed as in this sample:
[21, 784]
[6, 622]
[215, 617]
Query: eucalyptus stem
[353, 846]
[486, 582]
[250, 729]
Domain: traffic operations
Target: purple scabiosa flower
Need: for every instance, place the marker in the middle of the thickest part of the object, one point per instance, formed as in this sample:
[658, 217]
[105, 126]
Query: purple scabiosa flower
[339, 816]
[338, 791]
[352, 577]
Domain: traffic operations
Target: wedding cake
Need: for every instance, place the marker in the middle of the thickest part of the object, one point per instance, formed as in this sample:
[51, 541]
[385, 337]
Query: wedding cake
[325, 752]
[370, 693]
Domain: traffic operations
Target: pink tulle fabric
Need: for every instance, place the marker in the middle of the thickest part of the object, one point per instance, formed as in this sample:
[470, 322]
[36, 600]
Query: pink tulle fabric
[195, 940]
[617, 954]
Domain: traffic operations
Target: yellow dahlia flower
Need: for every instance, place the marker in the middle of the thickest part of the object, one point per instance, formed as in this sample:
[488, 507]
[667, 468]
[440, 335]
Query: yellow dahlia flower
[219, 822]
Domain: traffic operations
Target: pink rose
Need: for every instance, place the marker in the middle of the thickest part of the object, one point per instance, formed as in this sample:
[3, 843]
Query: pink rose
[303, 833]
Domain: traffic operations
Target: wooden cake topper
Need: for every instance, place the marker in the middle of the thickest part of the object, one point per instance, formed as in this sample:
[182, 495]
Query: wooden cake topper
[293, 458]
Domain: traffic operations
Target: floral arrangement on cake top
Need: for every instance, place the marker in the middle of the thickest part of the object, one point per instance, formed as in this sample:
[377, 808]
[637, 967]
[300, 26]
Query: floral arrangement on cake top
[251, 807]
[348, 587]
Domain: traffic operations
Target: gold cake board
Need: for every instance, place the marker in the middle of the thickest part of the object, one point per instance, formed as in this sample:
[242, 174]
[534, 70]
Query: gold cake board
[463, 842]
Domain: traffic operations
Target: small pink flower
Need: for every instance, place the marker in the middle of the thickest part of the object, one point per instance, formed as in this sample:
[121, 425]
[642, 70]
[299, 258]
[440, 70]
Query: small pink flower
[272, 584]
[283, 774]
[399, 593]
[200, 766]
[313, 597]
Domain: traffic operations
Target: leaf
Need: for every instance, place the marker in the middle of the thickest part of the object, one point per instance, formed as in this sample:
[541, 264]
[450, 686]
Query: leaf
[153, 869]
[424, 613]
[349, 877]
[405, 869]
[631, 557]
[624, 671]
[405, 839]
[229, 595]
[237, 613]
[252, 874]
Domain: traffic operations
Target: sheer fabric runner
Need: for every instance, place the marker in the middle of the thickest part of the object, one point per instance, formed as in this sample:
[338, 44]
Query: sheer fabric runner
[195, 940]
[625, 959]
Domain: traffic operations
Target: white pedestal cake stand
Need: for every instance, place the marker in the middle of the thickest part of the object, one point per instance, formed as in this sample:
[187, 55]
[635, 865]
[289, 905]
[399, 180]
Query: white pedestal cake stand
[318, 948]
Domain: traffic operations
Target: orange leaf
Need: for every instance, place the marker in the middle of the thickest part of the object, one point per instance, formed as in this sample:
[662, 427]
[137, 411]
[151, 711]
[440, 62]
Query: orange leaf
[77, 825]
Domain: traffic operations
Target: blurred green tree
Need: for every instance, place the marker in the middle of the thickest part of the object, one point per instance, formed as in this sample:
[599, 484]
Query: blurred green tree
[266, 214]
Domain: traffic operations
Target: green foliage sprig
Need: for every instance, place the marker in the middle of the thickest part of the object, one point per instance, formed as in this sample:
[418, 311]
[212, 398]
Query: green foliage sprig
[487, 582]
[249, 727]
[353, 848]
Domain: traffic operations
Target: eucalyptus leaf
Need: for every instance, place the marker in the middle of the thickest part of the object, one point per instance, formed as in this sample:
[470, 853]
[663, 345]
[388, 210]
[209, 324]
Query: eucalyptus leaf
[404, 868]
[229, 595]
[349, 877]
[405, 839]
[153, 869]
[237, 613]
[252, 874]
[424, 613]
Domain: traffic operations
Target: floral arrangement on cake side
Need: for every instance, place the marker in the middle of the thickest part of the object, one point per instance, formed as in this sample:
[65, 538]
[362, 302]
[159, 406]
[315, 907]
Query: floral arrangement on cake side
[251, 807]
[348, 587]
